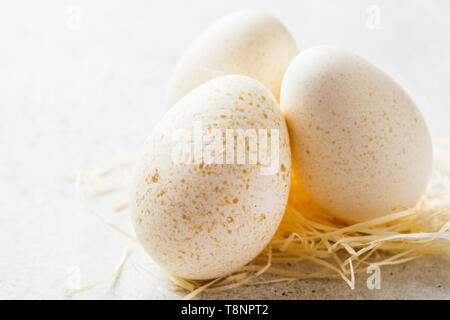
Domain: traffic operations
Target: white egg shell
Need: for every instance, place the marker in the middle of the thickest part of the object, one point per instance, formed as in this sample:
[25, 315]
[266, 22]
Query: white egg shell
[361, 148]
[202, 221]
[251, 43]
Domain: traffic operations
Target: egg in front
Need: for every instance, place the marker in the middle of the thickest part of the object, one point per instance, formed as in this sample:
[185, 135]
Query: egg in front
[204, 217]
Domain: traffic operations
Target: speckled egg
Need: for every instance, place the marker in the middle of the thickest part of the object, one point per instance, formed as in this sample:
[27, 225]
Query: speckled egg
[204, 217]
[251, 43]
[360, 146]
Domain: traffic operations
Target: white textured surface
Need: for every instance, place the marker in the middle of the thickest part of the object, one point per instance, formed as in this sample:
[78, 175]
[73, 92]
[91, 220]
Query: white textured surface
[73, 97]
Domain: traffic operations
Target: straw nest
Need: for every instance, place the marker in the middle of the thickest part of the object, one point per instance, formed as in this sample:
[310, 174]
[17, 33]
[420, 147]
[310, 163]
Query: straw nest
[306, 233]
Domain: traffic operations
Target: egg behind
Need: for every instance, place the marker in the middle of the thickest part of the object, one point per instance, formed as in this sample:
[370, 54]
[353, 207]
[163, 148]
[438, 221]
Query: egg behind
[201, 220]
[250, 42]
[360, 146]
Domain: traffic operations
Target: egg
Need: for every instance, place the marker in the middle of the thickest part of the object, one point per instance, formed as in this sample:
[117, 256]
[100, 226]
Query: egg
[251, 43]
[360, 146]
[212, 183]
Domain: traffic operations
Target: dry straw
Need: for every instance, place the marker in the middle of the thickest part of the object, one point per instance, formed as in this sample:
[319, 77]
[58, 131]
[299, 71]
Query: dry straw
[306, 233]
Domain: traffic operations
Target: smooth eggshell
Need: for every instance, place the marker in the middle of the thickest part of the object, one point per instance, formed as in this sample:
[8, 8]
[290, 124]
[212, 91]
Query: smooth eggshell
[203, 221]
[251, 43]
[360, 146]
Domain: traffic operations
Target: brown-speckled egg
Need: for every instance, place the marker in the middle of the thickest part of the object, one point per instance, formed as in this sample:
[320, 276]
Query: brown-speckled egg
[250, 42]
[360, 146]
[200, 218]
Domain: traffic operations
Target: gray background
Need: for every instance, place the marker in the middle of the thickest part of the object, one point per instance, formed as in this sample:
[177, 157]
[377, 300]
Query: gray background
[83, 82]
